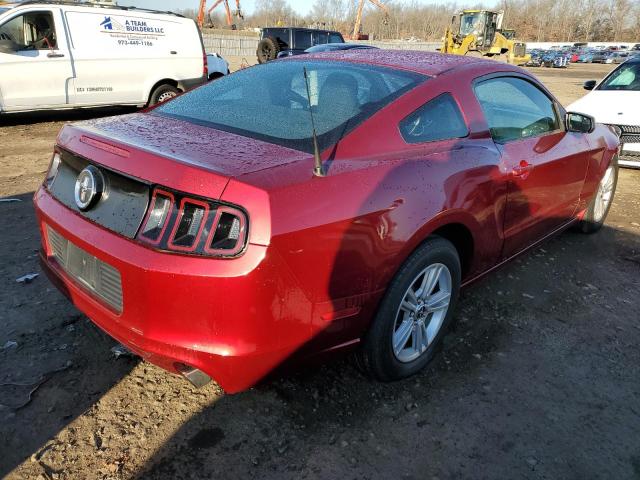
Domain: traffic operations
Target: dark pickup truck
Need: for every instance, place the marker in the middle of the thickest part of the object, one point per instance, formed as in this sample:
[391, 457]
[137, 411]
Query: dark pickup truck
[274, 40]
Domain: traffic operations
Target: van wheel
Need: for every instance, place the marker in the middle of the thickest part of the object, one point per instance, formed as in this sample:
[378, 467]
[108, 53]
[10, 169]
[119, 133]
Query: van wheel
[163, 93]
[268, 49]
[601, 202]
[414, 314]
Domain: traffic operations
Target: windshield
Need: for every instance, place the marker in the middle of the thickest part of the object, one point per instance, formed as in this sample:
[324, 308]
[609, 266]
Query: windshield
[625, 77]
[3, 9]
[472, 23]
[269, 102]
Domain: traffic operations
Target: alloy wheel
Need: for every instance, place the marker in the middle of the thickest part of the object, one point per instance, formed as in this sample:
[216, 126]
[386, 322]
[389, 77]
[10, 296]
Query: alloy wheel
[421, 313]
[604, 195]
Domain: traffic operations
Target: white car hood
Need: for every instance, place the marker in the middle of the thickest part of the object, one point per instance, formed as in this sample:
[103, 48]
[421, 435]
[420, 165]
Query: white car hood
[616, 107]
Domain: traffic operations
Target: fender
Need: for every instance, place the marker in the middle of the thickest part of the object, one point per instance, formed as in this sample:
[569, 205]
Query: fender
[481, 252]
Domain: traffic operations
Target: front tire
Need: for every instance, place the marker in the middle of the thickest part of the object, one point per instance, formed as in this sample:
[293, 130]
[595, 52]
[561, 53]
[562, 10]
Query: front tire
[601, 202]
[414, 314]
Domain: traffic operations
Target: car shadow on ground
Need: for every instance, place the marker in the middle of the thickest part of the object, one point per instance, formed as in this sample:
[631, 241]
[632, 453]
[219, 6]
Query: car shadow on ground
[515, 379]
[484, 393]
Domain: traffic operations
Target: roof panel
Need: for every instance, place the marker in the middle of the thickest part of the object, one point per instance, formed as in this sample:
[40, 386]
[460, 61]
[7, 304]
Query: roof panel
[429, 63]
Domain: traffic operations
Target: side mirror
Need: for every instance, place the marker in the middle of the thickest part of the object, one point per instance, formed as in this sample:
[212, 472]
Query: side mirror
[580, 123]
[589, 85]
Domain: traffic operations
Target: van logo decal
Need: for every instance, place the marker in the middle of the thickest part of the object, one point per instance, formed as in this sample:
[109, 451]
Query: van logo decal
[106, 23]
[132, 32]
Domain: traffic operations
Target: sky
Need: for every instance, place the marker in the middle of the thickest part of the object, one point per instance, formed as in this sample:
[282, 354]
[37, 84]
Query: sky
[302, 7]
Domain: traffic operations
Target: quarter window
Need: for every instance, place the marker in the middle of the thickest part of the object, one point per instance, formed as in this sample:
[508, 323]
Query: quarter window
[438, 119]
[516, 109]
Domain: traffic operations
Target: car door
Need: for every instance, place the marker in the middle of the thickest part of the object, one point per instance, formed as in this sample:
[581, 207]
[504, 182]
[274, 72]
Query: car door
[36, 68]
[546, 165]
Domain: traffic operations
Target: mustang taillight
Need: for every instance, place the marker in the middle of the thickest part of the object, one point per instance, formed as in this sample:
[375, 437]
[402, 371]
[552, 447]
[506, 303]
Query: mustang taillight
[181, 223]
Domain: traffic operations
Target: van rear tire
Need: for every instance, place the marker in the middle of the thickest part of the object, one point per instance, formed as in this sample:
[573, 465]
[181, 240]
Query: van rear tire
[162, 93]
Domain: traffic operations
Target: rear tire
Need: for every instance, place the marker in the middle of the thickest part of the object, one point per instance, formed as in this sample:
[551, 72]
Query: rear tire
[601, 202]
[268, 49]
[403, 339]
[162, 93]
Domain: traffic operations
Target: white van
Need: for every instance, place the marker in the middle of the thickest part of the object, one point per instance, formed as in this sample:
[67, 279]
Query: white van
[60, 54]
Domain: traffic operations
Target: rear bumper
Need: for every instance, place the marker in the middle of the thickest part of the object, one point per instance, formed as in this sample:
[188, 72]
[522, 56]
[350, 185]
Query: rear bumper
[221, 316]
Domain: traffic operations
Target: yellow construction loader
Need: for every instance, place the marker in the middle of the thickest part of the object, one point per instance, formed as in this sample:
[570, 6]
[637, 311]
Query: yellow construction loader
[480, 33]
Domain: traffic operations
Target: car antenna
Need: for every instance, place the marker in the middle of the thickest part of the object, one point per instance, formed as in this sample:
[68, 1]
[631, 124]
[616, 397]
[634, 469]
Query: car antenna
[317, 169]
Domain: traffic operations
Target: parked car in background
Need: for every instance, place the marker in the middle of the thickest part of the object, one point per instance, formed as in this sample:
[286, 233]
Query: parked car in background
[292, 41]
[68, 55]
[246, 238]
[616, 101]
[556, 59]
[216, 66]
[586, 57]
[599, 56]
[328, 47]
[616, 57]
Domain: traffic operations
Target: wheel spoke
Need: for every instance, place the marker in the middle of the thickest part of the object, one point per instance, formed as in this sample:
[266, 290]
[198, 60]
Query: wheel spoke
[438, 301]
[401, 336]
[425, 337]
[429, 281]
[411, 295]
[407, 306]
[434, 327]
[416, 339]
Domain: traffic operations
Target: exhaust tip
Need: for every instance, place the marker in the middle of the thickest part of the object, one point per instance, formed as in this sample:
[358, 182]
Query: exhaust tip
[196, 377]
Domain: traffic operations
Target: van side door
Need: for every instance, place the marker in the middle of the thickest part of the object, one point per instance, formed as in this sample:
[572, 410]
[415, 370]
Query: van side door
[35, 63]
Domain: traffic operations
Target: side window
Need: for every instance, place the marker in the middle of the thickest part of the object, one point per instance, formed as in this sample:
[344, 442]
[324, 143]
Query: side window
[302, 39]
[515, 109]
[335, 38]
[31, 31]
[438, 119]
[320, 38]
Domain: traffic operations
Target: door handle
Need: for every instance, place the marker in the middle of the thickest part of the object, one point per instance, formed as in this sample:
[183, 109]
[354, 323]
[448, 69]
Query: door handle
[523, 169]
[54, 55]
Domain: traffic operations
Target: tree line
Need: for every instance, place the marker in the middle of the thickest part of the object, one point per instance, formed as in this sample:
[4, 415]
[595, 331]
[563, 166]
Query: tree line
[533, 20]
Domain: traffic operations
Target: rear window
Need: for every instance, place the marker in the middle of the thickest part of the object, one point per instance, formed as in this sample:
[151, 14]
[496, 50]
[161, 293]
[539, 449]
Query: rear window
[269, 102]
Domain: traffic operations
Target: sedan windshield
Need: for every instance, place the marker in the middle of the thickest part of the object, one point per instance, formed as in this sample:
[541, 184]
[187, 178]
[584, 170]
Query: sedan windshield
[269, 102]
[625, 77]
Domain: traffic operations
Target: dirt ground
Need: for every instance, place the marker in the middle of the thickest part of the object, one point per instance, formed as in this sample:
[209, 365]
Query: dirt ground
[540, 379]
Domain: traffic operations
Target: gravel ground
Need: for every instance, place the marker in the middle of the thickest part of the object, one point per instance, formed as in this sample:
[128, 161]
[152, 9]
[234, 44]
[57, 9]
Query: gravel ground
[539, 380]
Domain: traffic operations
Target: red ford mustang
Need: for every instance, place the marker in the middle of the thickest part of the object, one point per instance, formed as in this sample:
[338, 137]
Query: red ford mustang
[313, 205]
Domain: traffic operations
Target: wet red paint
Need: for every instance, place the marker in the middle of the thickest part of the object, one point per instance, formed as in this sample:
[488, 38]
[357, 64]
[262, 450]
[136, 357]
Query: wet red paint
[321, 250]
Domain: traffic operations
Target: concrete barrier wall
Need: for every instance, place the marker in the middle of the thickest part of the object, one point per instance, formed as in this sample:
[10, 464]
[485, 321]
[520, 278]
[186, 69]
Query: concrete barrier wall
[245, 46]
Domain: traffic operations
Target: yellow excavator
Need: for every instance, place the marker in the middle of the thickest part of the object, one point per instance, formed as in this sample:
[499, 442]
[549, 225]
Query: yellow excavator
[479, 33]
